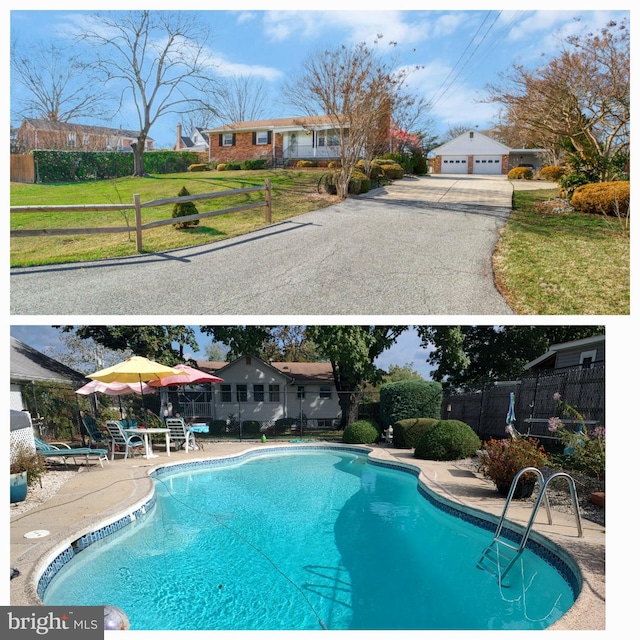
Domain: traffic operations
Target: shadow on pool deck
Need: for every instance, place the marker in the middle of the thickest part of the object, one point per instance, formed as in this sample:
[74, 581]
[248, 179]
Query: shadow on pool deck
[94, 496]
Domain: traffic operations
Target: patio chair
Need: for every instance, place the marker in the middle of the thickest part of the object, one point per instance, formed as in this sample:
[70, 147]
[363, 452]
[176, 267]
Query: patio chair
[179, 434]
[123, 442]
[96, 436]
[61, 450]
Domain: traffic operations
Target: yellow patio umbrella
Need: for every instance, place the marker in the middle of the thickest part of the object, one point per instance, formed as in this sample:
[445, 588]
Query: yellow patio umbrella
[135, 369]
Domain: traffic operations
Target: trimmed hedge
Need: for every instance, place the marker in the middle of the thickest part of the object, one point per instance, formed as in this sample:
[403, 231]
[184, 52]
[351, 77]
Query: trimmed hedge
[359, 183]
[198, 167]
[447, 440]
[254, 164]
[218, 427]
[520, 173]
[552, 173]
[74, 166]
[250, 427]
[306, 164]
[407, 433]
[360, 432]
[610, 198]
[409, 399]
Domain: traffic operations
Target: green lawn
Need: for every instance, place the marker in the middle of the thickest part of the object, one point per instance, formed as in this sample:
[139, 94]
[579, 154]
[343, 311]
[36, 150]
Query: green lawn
[545, 263]
[293, 193]
[562, 263]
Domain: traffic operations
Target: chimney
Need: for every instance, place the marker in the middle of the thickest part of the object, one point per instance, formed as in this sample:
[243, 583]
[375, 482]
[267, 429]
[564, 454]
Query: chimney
[178, 137]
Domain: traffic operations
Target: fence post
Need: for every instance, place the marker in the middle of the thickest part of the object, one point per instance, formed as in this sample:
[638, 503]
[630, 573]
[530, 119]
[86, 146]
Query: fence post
[267, 198]
[138, 209]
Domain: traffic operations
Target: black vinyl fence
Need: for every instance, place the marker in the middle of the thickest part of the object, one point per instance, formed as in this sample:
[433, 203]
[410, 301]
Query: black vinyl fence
[485, 410]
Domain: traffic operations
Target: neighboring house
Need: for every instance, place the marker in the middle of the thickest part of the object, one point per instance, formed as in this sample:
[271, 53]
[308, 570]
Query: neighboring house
[584, 353]
[44, 134]
[475, 153]
[28, 365]
[280, 141]
[197, 141]
[267, 391]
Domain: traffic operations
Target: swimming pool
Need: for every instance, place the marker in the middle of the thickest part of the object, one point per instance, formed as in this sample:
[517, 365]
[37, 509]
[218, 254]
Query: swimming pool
[315, 539]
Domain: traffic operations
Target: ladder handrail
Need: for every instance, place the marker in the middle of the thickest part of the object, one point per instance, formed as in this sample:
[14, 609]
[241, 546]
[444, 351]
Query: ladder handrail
[542, 495]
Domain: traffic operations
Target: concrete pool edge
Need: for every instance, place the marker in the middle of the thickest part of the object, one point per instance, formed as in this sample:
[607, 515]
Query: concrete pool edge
[586, 613]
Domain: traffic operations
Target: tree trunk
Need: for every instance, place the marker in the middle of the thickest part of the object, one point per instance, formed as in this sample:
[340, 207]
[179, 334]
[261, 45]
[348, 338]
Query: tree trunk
[349, 404]
[138, 156]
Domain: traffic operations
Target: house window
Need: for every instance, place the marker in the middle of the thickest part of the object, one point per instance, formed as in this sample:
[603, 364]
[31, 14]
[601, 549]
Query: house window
[262, 137]
[587, 358]
[228, 139]
[225, 392]
[325, 392]
[325, 423]
[274, 393]
[71, 140]
[328, 138]
[241, 393]
[85, 141]
[301, 391]
[258, 393]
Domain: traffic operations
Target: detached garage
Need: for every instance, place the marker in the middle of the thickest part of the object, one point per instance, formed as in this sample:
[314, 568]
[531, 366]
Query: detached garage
[472, 152]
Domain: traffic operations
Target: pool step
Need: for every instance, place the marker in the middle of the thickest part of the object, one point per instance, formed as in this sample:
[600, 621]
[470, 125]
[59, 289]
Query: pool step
[498, 558]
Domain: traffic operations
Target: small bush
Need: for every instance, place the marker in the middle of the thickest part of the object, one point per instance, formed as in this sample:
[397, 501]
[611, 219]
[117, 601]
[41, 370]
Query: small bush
[520, 173]
[221, 166]
[250, 427]
[359, 183]
[334, 164]
[552, 173]
[254, 164]
[306, 164]
[609, 198]
[392, 170]
[184, 209]
[447, 440]
[407, 433]
[218, 427]
[421, 166]
[360, 432]
[198, 167]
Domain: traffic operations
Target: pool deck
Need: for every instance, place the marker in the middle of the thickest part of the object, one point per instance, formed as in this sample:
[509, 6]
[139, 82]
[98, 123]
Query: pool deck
[93, 497]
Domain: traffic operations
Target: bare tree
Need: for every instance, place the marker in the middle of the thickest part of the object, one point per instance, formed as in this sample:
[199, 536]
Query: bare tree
[158, 59]
[60, 86]
[358, 92]
[581, 97]
[241, 99]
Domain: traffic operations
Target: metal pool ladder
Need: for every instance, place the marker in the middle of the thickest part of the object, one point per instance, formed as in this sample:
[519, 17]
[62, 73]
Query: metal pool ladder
[491, 560]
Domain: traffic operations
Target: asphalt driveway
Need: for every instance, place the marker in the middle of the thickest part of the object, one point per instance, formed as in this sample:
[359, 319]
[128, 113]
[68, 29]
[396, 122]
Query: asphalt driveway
[419, 246]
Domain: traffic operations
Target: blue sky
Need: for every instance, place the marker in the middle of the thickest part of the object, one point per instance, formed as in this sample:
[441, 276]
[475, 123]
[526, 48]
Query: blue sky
[407, 349]
[458, 51]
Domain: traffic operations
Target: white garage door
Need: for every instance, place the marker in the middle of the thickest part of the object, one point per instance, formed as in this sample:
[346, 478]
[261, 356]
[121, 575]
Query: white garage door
[455, 164]
[487, 164]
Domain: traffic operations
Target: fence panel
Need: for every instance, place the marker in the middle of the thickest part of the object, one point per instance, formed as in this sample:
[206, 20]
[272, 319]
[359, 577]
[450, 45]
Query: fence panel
[486, 410]
[22, 168]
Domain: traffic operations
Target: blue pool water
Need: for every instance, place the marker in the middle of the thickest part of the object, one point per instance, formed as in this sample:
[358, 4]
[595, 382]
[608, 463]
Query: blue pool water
[312, 540]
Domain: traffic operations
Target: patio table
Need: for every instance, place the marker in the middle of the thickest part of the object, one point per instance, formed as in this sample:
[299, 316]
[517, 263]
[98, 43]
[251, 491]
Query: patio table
[145, 433]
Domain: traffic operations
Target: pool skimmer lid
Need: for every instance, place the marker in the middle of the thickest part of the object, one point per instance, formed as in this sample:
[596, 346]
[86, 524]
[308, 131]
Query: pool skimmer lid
[38, 533]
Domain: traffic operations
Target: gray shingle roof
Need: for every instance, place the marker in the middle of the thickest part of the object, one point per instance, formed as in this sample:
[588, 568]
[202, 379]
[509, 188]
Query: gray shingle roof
[28, 364]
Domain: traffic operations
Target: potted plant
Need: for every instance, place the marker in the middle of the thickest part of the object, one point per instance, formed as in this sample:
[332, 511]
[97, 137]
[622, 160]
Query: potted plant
[502, 459]
[26, 466]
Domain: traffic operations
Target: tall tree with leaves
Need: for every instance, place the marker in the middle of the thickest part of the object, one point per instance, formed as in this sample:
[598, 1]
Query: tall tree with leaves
[352, 351]
[158, 60]
[154, 342]
[466, 357]
[582, 96]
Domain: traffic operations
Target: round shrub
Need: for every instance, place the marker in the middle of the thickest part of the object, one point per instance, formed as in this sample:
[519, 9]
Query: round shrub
[250, 427]
[222, 166]
[609, 198]
[198, 167]
[360, 432]
[407, 433]
[391, 170]
[447, 440]
[552, 173]
[334, 164]
[306, 164]
[520, 173]
[218, 427]
[359, 183]
[254, 164]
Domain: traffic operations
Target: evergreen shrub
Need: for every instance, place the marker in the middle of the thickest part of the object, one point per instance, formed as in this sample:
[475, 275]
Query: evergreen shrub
[552, 173]
[409, 399]
[520, 173]
[184, 209]
[447, 440]
[360, 432]
[407, 433]
[609, 198]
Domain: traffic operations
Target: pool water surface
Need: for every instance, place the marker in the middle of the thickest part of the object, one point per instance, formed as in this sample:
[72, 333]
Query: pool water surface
[310, 540]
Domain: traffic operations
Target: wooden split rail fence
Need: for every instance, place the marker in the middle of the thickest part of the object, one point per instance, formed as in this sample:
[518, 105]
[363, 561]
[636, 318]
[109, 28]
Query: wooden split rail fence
[138, 206]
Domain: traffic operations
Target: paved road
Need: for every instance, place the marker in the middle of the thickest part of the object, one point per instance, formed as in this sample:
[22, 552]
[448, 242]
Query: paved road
[419, 246]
